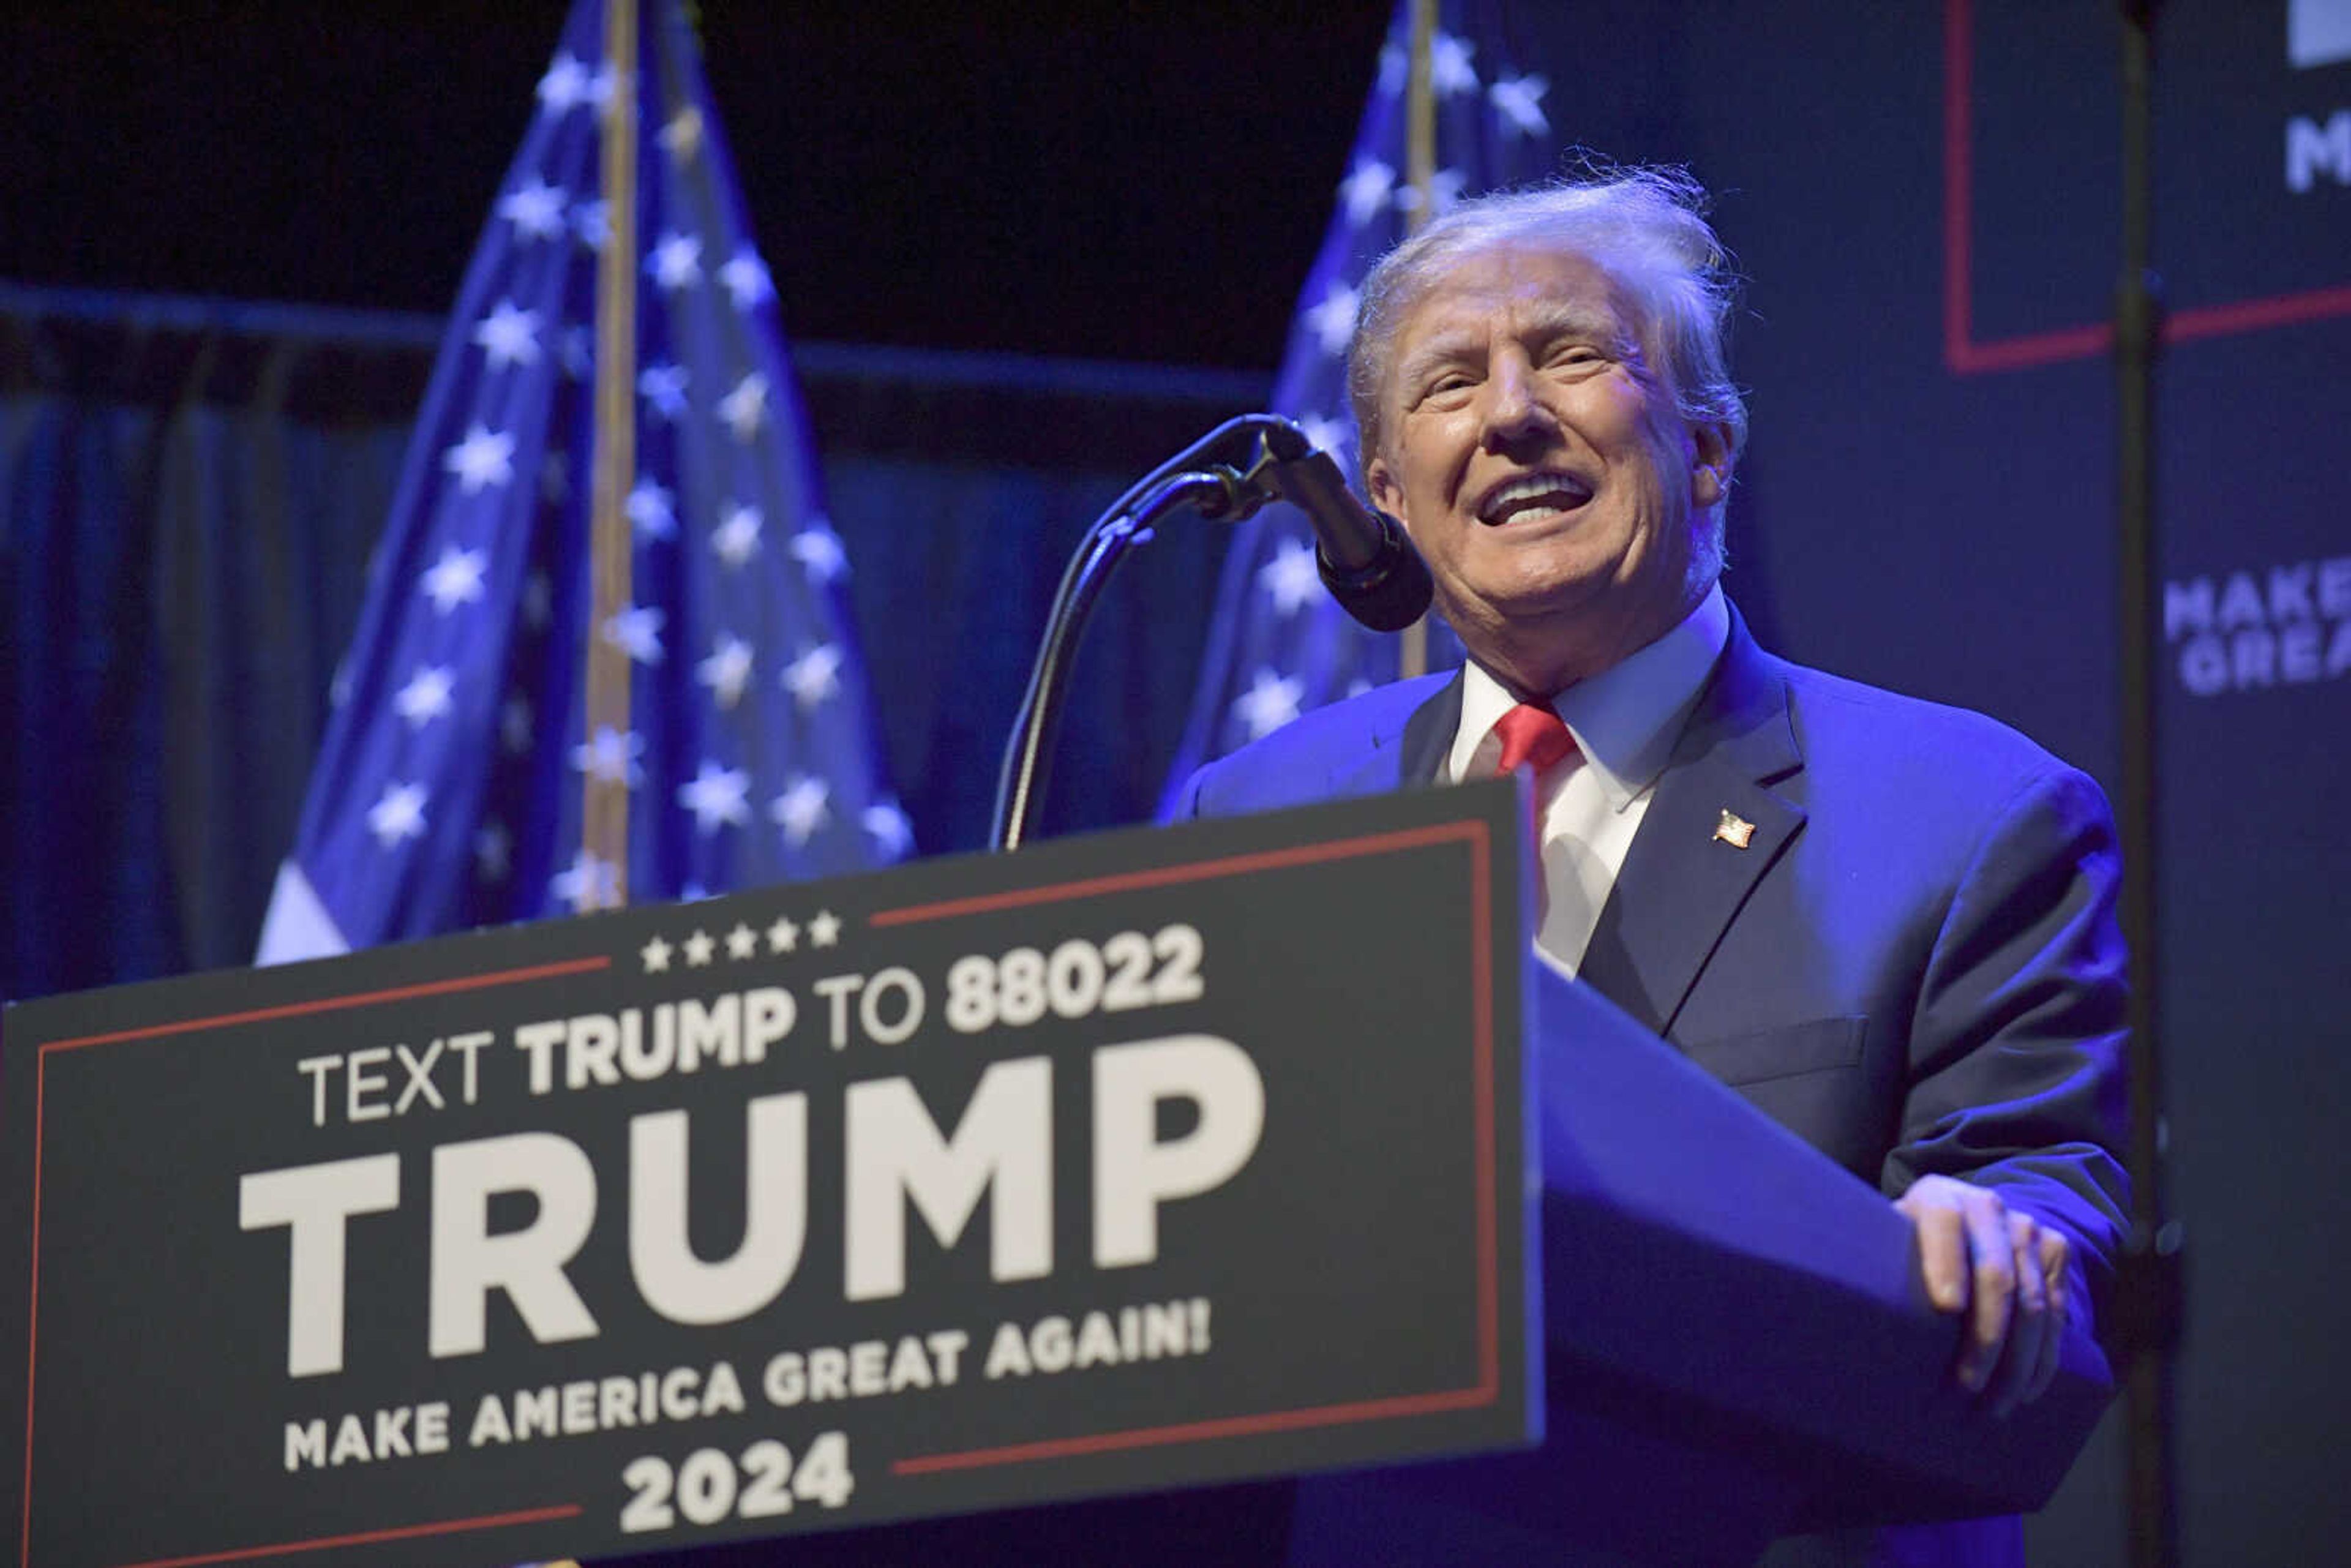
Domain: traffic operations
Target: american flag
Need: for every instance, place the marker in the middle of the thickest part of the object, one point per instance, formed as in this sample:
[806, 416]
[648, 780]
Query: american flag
[448, 792]
[1280, 645]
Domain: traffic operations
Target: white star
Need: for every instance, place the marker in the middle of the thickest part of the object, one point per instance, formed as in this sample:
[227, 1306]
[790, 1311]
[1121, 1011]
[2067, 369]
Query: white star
[484, 458]
[1444, 188]
[537, 600]
[814, 676]
[1394, 63]
[745, 277]
[677, 261]
[824, 929]
[783, 936]
[802, 809]
[1331, 435]
[1449, 66]
[592, 223]
[1365, 190]
[744, 409]
[493, 852]
[1271, 702]
[682, 137]
[589, 883]
[893, 834]
[455, 579]
[818, 548]
[636, 632]
[514, 728]
[566, 85]
[698, 948]
[716, 797]
[601, 85]
[398, 814]
[612, 757]
[1290, 577]
[663, 386]
[648, 509]
[742, 942]
[726, 671]
[655, 954]
[536, 209]
[1332, 321]
[736, 537]
[1519, 100]
[425, 697]
[509, 335]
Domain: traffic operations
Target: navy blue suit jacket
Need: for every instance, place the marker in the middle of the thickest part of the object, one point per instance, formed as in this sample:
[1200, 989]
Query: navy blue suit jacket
[1913, 964]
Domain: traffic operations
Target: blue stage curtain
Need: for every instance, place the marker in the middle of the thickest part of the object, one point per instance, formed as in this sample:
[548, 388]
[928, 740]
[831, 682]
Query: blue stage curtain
[188, 498]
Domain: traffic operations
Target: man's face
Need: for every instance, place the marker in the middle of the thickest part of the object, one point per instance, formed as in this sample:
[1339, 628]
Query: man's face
[1540, 464]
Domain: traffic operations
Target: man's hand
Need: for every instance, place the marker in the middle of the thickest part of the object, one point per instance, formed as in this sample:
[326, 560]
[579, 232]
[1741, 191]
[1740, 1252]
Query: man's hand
[2006, 1272]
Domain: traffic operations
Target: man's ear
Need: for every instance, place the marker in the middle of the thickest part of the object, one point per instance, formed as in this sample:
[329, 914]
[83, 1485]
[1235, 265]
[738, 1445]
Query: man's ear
[1387, 495]
[1710, 462]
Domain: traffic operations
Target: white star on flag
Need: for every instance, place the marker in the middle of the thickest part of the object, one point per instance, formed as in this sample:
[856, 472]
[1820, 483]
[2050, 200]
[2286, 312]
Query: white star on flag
[1393, 64]
[717, 797]
[745, 277]
[455, 579]
[892, 833]
[677, 261]
[612, 757]
[425, 697]
[1519, 100]
[515, 726]
[1290, 577]
[663, 386]
[509, 335]
[566, 85]
[536, 209]
[814, 676]
[1449, 71]
[1365, 190]
[485, 457]
[818, 548]
[1444, 191]
[636, 632]
[682, 137]
[398, 814]
[592, 224]
[648, 509]
[589, 883]
[742, 942]
[493, 852]
[1271, 702]
[736, 537]
[1324, 434]
[744, 409]
[726, 671]
[1332, 321]
[802, 809]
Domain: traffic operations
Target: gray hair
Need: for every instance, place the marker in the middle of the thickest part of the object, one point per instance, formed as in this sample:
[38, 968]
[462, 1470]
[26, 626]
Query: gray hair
[1645, 227]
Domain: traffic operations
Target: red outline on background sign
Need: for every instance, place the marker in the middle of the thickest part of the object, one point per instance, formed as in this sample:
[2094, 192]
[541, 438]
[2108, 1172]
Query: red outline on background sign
[224, 1020]
[1967, 357]
[1489, 1386]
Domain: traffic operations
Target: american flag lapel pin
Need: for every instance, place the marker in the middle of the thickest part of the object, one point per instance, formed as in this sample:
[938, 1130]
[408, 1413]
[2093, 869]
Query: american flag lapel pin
[1734, 830]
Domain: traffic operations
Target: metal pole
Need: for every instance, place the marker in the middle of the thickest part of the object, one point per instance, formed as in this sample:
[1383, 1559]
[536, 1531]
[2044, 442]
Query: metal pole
[1420, 175]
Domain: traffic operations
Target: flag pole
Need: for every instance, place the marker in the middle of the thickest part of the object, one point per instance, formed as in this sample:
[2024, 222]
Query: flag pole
[604, 814]
[1420, 173]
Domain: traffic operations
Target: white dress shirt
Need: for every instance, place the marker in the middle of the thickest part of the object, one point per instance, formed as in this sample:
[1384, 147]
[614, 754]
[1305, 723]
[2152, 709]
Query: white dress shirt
[1626, 721]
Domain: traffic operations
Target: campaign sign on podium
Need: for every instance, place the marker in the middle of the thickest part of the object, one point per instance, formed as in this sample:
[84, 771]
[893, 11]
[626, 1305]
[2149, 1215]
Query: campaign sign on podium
[1143, 1160]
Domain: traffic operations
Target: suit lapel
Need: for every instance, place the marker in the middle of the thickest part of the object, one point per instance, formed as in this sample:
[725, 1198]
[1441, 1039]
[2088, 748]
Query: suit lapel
[1405, 755]
[1682, 880]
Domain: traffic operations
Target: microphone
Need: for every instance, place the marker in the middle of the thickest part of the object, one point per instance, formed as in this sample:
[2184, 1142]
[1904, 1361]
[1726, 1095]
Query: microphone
[1366, 558]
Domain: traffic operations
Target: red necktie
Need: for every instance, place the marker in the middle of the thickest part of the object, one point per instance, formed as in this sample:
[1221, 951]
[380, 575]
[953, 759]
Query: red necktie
[1534, 735]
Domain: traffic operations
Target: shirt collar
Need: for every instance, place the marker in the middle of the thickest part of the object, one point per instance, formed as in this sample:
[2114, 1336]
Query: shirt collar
[1625, 719]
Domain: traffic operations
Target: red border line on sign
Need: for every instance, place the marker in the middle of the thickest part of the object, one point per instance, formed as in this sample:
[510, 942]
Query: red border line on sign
[1967, 357]
[191, 1026]
[371, 1537]
[1481, 960]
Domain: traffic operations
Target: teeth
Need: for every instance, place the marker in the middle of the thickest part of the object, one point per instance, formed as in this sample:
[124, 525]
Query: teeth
[1534, 487]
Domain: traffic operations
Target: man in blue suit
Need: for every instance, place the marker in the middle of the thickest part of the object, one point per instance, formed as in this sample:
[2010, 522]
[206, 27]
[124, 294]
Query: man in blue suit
[1889, 925]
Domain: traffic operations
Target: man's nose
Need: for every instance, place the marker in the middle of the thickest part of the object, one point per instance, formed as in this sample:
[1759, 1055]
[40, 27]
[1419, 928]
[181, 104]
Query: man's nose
[1514, 406]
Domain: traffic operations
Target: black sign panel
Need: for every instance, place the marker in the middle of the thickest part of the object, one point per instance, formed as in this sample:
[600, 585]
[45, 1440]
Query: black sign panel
[1143, 1160]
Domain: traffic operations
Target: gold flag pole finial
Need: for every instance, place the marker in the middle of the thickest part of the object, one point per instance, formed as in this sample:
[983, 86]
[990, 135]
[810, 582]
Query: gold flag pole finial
[1420, 175]
[604, 813]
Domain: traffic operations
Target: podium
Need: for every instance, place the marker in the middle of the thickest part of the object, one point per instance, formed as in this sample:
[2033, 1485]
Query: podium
[1354, 1236]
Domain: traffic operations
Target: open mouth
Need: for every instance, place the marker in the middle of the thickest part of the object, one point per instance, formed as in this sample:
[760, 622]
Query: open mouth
[1532, 497]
